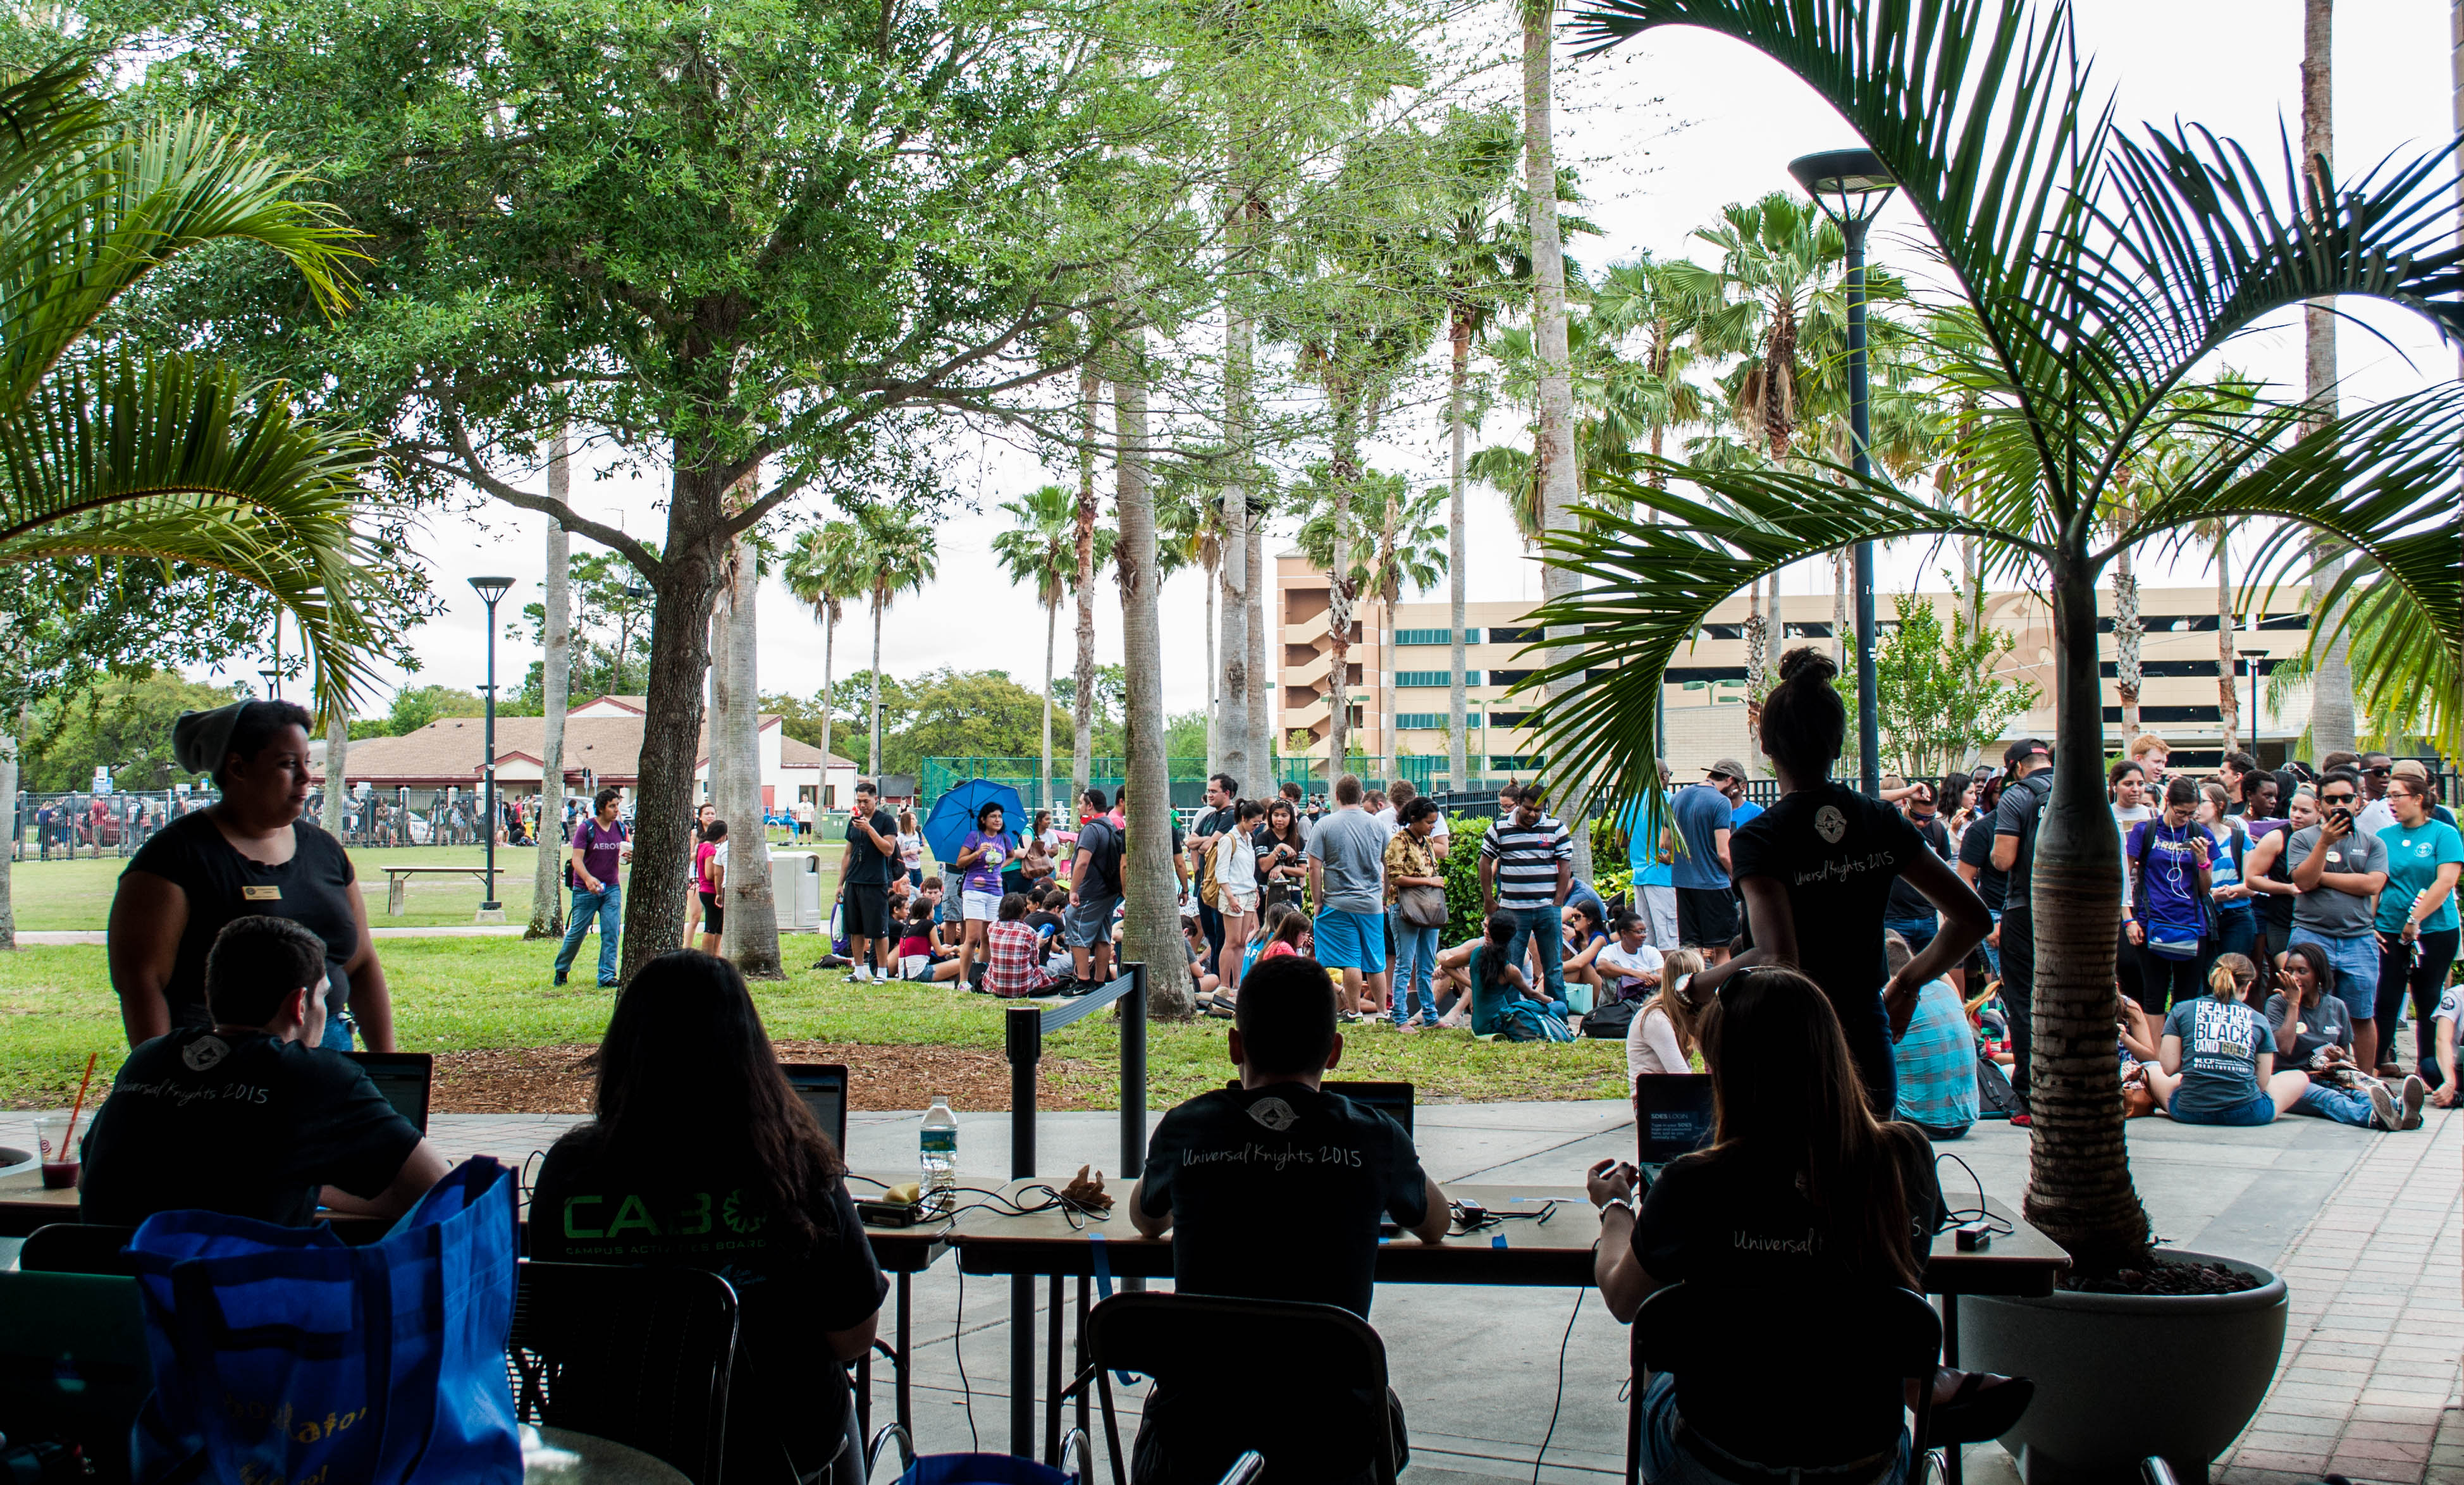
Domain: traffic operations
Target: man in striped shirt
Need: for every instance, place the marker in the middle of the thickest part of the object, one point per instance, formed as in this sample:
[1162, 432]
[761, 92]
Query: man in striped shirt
[1526, 869]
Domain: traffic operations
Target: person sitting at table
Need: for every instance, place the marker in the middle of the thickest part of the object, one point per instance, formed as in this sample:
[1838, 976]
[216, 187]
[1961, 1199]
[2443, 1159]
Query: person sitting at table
[250, 1116]
[1295, 1217]
[697, 1140]
[1800, 1185]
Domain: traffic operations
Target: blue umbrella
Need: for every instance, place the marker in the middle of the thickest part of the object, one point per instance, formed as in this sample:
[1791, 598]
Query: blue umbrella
[953, 815]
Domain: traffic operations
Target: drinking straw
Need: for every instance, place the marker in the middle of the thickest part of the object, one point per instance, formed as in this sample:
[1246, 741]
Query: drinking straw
[68, 1142]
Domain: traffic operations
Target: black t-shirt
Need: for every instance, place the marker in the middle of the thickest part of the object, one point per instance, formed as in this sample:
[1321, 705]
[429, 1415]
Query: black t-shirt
[2018, 813]
[708, 1213]
[1735, 1222]
[1835, 852]
[1905, 902]
[1103, 844]
[239, 1124]
[1976, 850]
[1276, 1193]
[313, 889]
[868, 866]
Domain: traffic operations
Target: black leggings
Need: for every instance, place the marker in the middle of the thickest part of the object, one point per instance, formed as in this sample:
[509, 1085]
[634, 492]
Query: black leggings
[2398, 974]
[2166, 983]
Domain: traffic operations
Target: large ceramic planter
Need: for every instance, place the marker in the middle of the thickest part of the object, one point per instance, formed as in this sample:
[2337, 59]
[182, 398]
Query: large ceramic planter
[2121, 1376]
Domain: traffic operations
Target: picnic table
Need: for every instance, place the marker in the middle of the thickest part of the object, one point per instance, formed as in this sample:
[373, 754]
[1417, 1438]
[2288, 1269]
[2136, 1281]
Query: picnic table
[398, 883]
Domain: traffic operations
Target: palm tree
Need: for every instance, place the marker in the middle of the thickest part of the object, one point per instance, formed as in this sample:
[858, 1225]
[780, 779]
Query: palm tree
[1042, 551]
[113, 450]
[1395, 541]
[1082, 542]
[2102, 270]
[896, 555]
[825, 568]
[2332, 719]
[555, 685]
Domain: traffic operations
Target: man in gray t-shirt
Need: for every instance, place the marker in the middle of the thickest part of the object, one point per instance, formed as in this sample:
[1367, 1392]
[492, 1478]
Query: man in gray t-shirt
[1347, 864]
[2340, 872]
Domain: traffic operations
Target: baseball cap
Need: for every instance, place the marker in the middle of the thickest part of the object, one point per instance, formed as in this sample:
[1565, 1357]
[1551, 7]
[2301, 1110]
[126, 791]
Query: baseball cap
[2025, 748]
[1727, 768]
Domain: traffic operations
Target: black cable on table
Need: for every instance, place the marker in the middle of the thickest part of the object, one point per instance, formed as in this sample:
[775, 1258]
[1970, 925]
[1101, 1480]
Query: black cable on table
[1952, 1217]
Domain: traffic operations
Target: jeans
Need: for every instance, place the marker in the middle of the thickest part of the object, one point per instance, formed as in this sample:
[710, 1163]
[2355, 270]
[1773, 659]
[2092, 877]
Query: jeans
[1666, 1463]
[1210, 923]
[1416, 954]
[1993, 952]
[336, 1035]
[2343, 1105]
[2399, 975]
[2355, 961]
[1917, 931]
[1544, 928]
[607, 905]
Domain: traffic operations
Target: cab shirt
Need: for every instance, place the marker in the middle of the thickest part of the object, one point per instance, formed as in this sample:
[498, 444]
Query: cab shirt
[239, 1124]
[2327, 911]
[2221, 1042]
[313, 889]
[2325, 1023]
[2413, 857]
[1835, 852]
[707, 1210]
[1276, 1193]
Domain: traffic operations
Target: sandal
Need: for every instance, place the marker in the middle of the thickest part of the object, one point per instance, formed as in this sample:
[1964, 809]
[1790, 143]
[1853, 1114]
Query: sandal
[1978, 1413]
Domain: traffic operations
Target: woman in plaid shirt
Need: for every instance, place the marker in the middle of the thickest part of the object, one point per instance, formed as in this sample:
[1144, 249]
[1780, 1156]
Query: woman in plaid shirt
[1010, 968]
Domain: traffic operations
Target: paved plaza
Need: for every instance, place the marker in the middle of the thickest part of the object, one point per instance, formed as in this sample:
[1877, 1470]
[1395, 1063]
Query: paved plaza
[2363, 1227]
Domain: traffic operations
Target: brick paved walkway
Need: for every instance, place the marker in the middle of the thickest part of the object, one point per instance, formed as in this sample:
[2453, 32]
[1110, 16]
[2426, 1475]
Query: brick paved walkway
[2367, 1387]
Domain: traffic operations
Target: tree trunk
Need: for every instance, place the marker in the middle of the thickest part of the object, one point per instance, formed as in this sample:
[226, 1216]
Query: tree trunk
[1757, 664]
[16, 831]
[880, 601]
[1043, 781]
[1459, 698]
[1345, 469]
[1839, 610]
[1558, 472]
[556, 680]
[1233, 734]
[751, 936]
[2126, 647]
[1082, 706]
[1214, 727]
[2332, 718]
[1151, 932]
[2228, 698]
[2079, 1184]
[1264, 673]
[830, 700]
[718, 761]
[338, 758]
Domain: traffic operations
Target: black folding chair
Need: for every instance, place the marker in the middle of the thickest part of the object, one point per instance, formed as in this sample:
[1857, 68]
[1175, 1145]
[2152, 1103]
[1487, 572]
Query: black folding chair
[1313, 1376]
[78, 1247]
[637, 1354]
[1868, 1339]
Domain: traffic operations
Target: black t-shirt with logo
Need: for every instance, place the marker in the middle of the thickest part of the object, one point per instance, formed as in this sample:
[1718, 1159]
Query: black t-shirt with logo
[1976, 850]
[707, 1210]
[1277, 1192]
[1835, 852]
[869, 865]
[240, 1123]
[1906, 900]
[1733, 1221]
[313, 889]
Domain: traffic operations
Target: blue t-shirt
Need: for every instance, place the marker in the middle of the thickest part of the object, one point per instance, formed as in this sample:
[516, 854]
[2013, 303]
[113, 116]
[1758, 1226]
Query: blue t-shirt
[2168, 899]
[1937, 1061]
[2224, 868]
[2413, 857]
[1745, 809]
[2221, 1040]
[1642, 848]
[1702, 811]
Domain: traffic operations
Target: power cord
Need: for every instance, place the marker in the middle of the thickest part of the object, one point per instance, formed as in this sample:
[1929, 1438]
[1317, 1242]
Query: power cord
[1489, 1218]
[1954, 1217]
[1555, 1406]
[959, 1352]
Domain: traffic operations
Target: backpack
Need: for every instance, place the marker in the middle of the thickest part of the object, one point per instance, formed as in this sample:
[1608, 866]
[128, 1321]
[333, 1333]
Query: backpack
[1103, 847]
[1612, 1021]
[1525, 1021]
[1209, 891]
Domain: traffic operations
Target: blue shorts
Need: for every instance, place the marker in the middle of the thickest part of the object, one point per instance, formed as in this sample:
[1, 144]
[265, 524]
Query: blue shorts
[2355, 963]
[1351, 941]
[2260, 1110]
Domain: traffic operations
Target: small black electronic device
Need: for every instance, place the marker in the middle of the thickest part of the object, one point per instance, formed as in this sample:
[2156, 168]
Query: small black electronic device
[1471, 1213]
[403, 1078]
[890, 1214]
[1973, 1236]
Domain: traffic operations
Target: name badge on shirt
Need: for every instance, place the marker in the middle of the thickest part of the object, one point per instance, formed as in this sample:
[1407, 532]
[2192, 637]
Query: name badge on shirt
[261, 893]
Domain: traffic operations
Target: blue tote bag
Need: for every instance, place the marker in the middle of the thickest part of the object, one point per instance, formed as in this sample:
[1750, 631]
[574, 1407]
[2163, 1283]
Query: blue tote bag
[284, 1354]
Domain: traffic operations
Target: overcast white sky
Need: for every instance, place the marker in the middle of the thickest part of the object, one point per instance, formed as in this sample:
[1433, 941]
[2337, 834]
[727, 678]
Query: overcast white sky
[1665, 131]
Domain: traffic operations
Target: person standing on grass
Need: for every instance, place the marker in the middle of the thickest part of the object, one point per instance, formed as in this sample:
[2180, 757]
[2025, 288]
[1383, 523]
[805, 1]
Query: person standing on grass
[702, 816]
[1094, 892]
[1526, 871]
[1705, 814]
[910, 849]
[864, 877]
[980, 883]
[599, 847]
[1411, 862]
[1347, 864]
[1215, 822]
[250, 854]
[709, 884]
[1236, 877]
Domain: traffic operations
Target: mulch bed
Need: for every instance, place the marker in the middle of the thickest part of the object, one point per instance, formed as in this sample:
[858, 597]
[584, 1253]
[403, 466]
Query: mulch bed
[553, 1080]
[2167, 1277]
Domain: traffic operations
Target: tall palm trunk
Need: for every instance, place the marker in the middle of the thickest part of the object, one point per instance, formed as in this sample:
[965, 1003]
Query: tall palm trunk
[1081, 705]
[1263, 684]
[1052, 633]
[338, 760]
[1151, 932]
[716, 759]
[880, 601]
[2127, 630]
[555, 681]
[2079, 1184]
[1459, 696]
[1230, 728]
[1345, 469]
[1214, 678]
[751, 936]
[1557, 475]
[1757, 664]
[2332, 719]
[1839, 610]
[16, 831]
[2228, 699]
[830, 700]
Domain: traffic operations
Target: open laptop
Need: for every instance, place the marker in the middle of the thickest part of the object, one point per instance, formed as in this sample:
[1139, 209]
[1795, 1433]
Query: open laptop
[823, 1088]
[1672, 1117]
[403, 1078]
[1392, 1100]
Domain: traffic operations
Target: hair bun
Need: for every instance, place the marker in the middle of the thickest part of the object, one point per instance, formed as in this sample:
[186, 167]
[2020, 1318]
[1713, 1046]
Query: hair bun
[1808, 664]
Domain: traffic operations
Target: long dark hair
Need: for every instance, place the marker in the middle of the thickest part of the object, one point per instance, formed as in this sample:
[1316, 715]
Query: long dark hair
[687, 1074]
[1790, 1096]
[1500, 932]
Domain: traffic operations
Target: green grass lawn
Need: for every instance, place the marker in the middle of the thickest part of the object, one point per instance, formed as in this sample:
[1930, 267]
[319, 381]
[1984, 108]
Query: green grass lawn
[456, 994]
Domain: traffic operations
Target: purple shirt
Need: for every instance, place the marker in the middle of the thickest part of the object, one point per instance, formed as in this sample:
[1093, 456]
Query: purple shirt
[599, 845]
[985, 875]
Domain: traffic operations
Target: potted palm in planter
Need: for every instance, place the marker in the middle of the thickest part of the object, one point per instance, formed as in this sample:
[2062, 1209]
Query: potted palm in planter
[2099, 273]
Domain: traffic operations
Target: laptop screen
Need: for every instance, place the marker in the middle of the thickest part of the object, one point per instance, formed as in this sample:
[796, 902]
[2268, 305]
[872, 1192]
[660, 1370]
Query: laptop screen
[823, 1088]
[1392, 1100]
[402, 1078]
[1672, 1114]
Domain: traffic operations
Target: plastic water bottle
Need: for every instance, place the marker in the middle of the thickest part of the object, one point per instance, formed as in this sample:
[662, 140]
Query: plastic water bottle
[939, 1151]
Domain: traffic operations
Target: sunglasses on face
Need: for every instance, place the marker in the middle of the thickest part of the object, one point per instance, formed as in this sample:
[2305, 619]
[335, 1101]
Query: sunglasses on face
[2337, 799]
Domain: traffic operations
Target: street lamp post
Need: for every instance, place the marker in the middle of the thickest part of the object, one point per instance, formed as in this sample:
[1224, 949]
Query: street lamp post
[490, 591]
[1850, 185]
[2253, 656]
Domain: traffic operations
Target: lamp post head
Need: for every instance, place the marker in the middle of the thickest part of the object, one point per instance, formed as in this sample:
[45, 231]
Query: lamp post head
[491, 590]
[1849, 184]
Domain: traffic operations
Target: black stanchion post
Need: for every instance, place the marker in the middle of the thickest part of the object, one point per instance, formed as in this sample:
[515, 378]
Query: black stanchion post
[1134, 1092]
[1024, 1034]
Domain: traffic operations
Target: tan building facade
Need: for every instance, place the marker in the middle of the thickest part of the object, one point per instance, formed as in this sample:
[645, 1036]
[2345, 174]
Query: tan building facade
[1402, 664]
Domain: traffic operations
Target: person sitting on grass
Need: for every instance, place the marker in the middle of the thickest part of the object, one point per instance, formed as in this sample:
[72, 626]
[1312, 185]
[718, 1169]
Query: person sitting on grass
[1937, 1057]
[699, 1154]
[1274, 1190]
[1012, 965]
[2216, 1064]
[919, 958]
[249, 1116]
[1626, 966]
[1288, 935]
[2314, 1035]
[1801, 1187]
[1586, 934]
[1662, 1036]
[1495, 983]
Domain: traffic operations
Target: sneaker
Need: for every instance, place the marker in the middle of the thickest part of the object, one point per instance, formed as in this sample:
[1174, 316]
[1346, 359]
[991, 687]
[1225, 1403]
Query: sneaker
[558, 980]
[2414, 1091]
[859, 975]
[2382, 1114]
